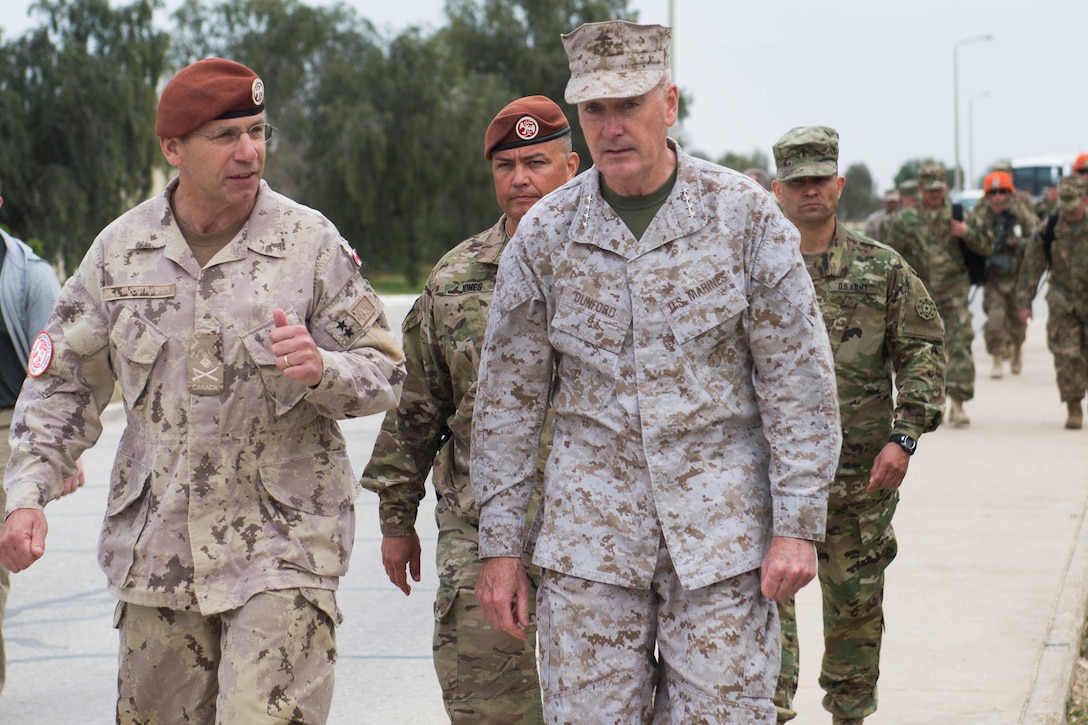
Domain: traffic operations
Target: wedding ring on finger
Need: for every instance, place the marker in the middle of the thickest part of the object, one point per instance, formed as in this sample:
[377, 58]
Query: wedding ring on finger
[286, 362]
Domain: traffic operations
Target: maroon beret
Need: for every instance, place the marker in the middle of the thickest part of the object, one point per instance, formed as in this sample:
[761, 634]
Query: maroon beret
[526, 121]
[204, 91]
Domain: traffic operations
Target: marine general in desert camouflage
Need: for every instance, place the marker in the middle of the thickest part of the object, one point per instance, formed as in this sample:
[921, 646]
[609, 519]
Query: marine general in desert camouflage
[884, 328]
[486, 675]
[657, 306]
[238, 330]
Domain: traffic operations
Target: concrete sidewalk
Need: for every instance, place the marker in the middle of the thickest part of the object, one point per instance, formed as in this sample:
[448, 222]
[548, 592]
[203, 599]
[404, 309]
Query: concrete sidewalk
[984, 604]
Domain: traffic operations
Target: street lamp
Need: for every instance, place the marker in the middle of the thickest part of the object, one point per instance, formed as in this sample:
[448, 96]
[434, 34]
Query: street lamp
[956, 98]
[971, 134]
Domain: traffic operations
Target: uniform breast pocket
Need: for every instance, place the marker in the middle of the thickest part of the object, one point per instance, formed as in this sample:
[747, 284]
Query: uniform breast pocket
[282, 393]
[139, 345]
[707, 332]
[589, 345]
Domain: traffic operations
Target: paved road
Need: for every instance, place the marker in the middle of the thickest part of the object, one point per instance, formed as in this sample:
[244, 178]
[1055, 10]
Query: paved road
[984, 602]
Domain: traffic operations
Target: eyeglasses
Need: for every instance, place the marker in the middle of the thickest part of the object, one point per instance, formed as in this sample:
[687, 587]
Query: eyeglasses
[994, 192]
[258, 134]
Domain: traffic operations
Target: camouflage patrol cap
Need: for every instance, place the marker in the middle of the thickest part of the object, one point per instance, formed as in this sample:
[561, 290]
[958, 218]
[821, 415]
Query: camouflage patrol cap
[1071, 190]
[615, 59]
[931, 177]
[807, 151]
[1002, 165]
[891, 195]
[909, 188]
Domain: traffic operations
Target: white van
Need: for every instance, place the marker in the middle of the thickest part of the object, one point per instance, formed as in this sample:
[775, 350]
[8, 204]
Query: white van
[1035, 173]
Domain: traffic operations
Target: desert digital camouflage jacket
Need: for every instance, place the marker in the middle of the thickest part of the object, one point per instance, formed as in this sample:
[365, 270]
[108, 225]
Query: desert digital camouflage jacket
[230, 479]
[443, 334]
[924, 238]
[1067, 286]
[694, 394]
[882, 324]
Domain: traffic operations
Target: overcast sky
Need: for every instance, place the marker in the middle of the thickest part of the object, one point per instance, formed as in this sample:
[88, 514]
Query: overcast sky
[881, 73]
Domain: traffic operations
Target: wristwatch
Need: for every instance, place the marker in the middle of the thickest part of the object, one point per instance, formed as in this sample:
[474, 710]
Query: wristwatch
[909, 444]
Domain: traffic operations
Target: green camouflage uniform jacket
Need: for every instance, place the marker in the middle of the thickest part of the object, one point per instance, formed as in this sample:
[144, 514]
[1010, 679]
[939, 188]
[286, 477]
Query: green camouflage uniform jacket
[1003, 264]
[882, 324]
[924, 238]
[230, 479]
[443, 334]
[1067, 286]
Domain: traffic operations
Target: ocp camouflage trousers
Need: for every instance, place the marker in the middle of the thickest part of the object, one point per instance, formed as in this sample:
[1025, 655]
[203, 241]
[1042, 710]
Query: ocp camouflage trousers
[958, 336]
[852, 559]
[486, 676]
[1067, 339]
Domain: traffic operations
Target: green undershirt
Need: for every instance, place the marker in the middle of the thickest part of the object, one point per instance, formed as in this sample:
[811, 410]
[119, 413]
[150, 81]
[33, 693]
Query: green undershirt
[638, 211]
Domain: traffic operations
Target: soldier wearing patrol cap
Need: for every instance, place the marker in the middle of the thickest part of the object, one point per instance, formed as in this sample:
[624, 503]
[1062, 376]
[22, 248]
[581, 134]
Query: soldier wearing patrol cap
[238, 330]
[1061, 245]
[675, 379]
[933, 242]
[884, 329]
[877, 222]
[485, 675]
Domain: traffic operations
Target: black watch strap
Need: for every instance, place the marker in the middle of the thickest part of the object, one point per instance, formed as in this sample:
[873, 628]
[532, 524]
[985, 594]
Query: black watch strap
[905, 441]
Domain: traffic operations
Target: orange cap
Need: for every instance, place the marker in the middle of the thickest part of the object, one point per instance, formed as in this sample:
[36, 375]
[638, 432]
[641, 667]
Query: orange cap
[997, 180]
[1080, 163]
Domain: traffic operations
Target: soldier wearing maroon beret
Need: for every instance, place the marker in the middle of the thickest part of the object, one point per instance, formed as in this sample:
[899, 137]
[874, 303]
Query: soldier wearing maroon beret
[238, 330]
[486, 675]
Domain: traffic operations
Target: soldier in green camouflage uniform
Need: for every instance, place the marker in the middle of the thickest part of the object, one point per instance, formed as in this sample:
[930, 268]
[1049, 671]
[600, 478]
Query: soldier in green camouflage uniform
[1003, 221]
[1067, 293]
[486, 676]
[882, 324]
[929, 239]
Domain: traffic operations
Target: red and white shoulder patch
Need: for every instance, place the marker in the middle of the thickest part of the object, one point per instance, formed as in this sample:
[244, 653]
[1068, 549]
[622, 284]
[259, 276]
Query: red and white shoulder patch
[41, 354]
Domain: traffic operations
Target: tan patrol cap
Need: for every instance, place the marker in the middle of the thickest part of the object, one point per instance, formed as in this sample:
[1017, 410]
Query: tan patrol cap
[1071, 191]
[931, 177]
[615, 59]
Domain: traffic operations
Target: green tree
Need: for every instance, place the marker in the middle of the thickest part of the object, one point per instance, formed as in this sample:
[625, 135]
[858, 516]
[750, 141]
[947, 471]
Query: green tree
[77, 111]
[742, 162]
[859, 197]
[909, 171]
[518, 42]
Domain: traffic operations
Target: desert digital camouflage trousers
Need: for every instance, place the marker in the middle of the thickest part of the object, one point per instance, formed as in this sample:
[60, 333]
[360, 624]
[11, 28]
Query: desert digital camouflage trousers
[1067, 340]
[486, 676]
[958, 336]
[859, 546]
[716, 651]
[269, 661]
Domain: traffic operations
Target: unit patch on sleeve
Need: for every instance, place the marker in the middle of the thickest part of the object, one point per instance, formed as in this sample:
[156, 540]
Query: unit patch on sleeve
[41, 354]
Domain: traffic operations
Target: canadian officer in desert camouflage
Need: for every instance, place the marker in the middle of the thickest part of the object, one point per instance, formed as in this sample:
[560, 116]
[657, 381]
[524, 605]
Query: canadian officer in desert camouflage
[695, 426]
[485, 675]
[884, 328]
[238, 329]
